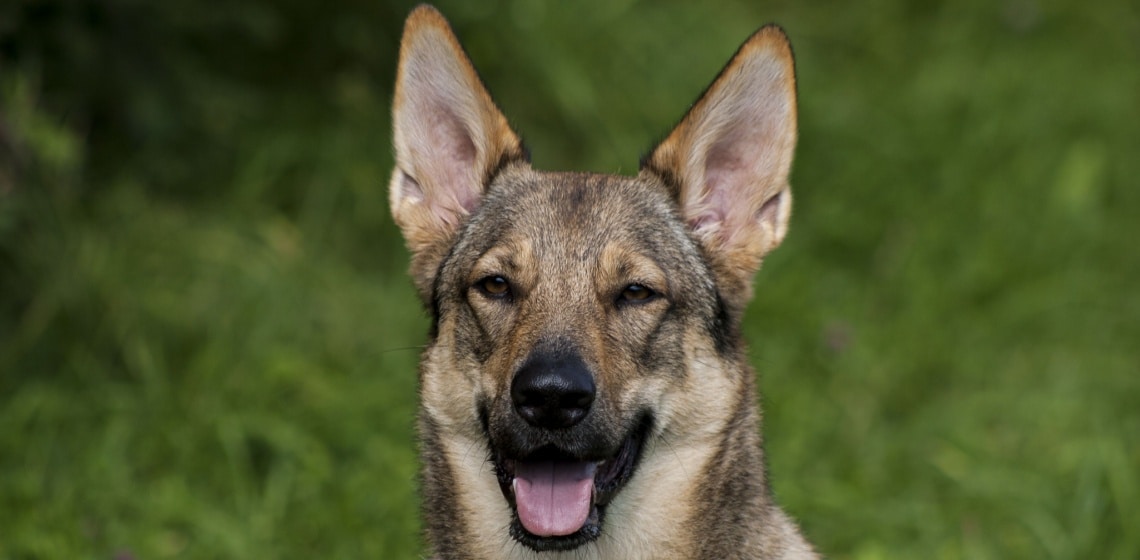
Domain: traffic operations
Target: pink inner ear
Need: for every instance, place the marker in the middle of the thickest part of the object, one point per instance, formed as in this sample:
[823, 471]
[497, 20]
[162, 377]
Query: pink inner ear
[706, 221]
[447, 160]
[715, 203]
[741, 168]
[447, 133]
[729, 182]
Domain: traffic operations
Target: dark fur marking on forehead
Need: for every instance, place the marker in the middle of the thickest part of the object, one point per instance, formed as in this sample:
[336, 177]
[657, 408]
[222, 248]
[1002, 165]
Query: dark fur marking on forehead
[577, 196]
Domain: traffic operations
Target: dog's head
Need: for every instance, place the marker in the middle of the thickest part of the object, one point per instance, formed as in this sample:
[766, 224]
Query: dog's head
[578, 317]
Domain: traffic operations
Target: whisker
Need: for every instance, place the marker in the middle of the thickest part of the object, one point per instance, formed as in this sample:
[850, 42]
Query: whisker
[673, 450]
[403, 348]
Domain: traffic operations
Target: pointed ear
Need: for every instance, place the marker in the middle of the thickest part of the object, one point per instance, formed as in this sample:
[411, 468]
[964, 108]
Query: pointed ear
[729, 158]
[449, 139]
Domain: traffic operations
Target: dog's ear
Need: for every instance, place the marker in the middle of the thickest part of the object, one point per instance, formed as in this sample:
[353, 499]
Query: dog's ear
[449, 139]
[729, 158]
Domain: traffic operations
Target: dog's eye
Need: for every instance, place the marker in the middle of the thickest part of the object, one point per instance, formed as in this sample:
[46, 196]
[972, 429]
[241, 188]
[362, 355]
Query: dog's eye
[494, 286]
[636, 293]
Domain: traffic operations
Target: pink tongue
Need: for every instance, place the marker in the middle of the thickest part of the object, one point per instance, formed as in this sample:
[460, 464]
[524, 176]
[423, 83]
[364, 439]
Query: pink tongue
[553, 498]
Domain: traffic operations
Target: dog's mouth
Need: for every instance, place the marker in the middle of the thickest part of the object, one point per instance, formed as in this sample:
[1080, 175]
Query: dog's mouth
[559, 500]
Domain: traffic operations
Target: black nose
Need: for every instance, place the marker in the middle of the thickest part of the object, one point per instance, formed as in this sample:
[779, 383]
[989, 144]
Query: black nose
[553, 390]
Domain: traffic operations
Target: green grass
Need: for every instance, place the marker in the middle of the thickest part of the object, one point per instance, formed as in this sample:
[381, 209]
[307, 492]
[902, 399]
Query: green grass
[208, 344]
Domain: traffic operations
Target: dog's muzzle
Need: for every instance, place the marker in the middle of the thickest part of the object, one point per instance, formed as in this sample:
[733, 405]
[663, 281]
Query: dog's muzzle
[561, 465]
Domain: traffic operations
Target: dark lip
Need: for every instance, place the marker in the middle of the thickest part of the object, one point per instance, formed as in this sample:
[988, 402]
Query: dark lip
[612, 475]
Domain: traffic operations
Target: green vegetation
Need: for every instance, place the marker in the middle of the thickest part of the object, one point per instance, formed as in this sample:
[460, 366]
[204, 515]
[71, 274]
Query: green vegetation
[208, 343]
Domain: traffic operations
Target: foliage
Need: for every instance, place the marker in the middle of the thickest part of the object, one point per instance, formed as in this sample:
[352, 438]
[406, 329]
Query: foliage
[208, 343]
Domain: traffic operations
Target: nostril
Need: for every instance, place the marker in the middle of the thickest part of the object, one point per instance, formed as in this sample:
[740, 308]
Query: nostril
[553, 391]
[578, 397]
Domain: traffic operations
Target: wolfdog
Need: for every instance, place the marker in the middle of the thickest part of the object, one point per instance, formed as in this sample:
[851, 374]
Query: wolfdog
[585, 393]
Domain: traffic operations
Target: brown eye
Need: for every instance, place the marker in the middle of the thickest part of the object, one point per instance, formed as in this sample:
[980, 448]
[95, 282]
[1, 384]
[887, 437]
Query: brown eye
[636, 293]
[494, 286]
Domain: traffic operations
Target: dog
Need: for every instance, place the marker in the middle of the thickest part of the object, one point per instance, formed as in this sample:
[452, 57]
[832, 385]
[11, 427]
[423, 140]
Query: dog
[585, 392]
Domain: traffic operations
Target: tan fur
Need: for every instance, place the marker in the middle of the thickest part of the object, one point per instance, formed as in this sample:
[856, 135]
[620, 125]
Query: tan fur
[689, 231]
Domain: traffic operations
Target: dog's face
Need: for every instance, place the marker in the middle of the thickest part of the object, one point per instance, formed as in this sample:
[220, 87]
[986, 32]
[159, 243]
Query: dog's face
[566, 301]
[580, 319]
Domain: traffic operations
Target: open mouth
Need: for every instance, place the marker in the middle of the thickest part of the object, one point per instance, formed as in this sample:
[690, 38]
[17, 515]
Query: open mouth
[559, 500]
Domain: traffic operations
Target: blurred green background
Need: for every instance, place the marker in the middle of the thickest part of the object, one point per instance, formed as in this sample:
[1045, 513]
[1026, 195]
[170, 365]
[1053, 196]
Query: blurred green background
[208, 341]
